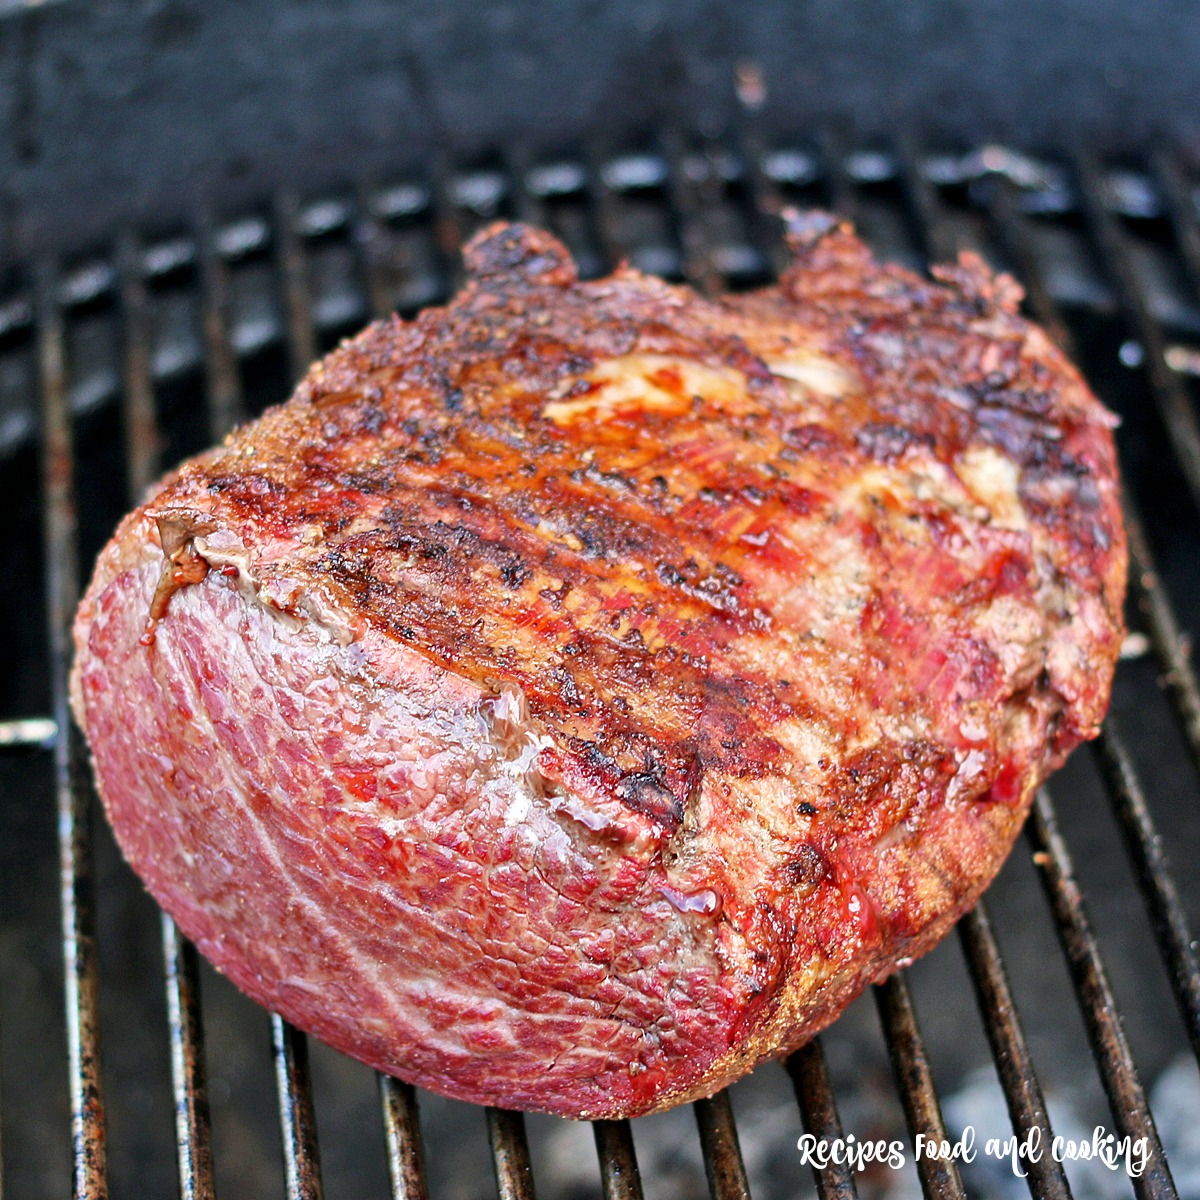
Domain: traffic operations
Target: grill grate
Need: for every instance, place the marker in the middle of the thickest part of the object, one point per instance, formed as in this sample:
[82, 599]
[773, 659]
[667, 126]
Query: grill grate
[309, 271]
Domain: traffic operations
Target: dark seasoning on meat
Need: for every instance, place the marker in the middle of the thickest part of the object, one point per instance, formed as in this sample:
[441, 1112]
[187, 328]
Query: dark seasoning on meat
[579, 694]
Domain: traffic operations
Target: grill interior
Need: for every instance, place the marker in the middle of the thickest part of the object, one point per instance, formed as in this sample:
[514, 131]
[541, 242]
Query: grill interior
[118, 361]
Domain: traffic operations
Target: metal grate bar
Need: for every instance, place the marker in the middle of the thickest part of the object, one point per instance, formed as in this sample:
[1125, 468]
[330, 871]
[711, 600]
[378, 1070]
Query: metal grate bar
[137, 394]
[527, 207]
[374, 259]
[722, 1151]
[818, 1111]
[936, 238]
[510, 1154]
[1118, 1073]
[142, 442]
[222, 379]
[293, 269]
[1178, 417]
[1144, 846]
[138, 416]
[193, 1142]
[369, 236]
[297, 1121]
[940, 1179]
[449, 230]
[605, 212]
[402, 1129]
[398, 1100]
[765, 201]
[1014, 1064]
[620, 1178]
[688, 201]
[837, 181]
[89, 1145]
[1010, 1052]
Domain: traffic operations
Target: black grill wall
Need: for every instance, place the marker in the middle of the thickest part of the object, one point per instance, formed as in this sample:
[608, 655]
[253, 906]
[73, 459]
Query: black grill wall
[135, 108]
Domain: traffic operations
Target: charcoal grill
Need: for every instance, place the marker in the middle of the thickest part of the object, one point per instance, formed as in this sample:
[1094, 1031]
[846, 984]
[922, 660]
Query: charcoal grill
[160, 339]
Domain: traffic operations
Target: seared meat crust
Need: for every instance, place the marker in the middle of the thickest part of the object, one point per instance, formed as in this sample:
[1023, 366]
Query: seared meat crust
[578, 694]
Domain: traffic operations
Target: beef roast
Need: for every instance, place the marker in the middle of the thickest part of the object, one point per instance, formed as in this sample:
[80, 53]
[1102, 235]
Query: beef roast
[580, 693]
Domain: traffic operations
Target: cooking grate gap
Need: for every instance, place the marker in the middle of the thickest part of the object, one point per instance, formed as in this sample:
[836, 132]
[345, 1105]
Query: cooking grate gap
[407, 254]
[701, 212]
[24, 674]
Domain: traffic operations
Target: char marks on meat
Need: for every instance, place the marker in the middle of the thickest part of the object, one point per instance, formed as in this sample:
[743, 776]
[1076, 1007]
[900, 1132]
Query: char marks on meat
[580, 693]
